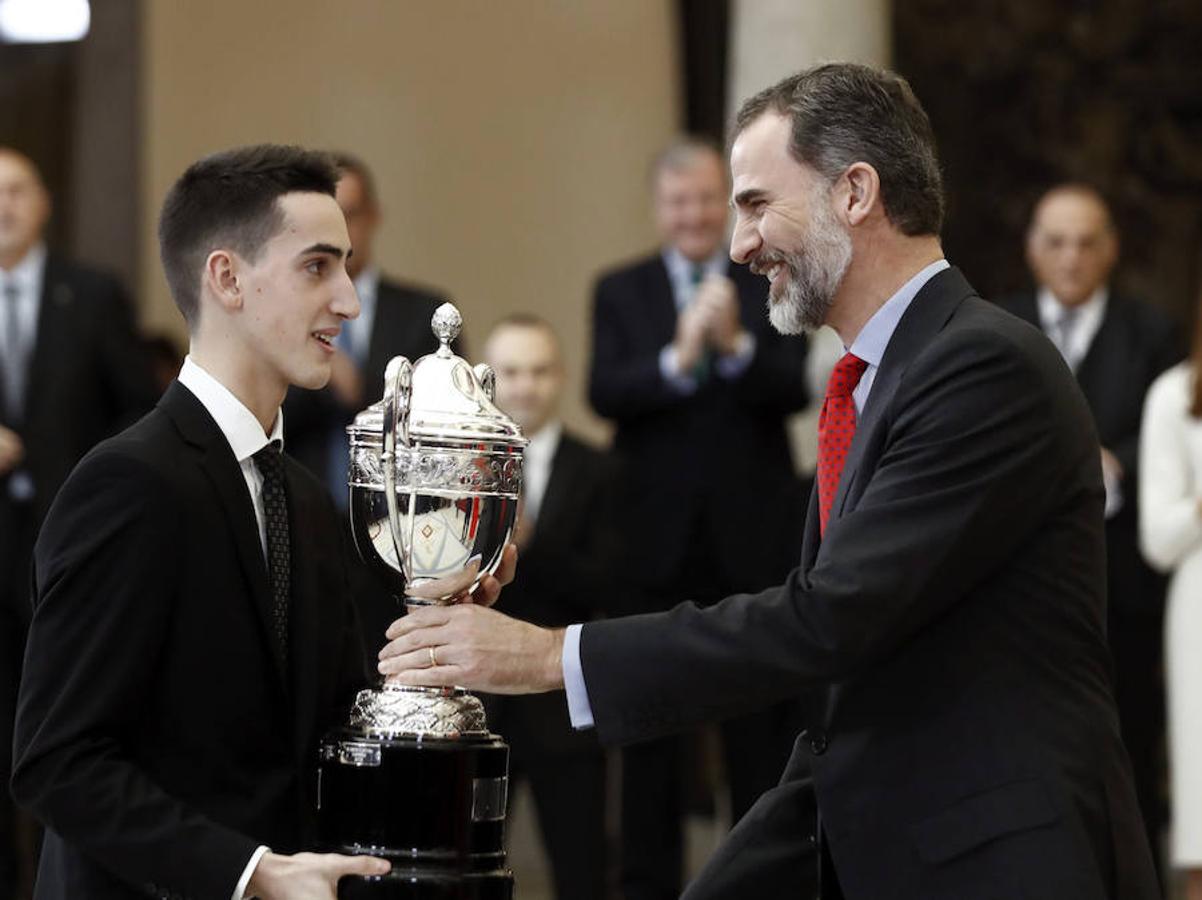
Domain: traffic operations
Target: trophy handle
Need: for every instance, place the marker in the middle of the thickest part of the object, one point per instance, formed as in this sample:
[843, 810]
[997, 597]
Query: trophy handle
[488, 380]
[398, 394]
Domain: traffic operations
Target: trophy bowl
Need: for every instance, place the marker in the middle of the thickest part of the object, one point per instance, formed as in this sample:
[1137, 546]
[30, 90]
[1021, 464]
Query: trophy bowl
[435, 474]
[415, 776]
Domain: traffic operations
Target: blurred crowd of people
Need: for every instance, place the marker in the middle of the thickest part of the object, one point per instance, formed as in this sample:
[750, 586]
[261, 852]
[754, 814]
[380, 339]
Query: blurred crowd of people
[697, 499]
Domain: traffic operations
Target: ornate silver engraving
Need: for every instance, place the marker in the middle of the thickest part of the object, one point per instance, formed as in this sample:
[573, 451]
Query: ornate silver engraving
[468, 472]
[398, 711]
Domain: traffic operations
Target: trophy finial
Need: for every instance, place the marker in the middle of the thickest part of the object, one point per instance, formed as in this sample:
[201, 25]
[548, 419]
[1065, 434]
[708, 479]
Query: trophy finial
[446, 325]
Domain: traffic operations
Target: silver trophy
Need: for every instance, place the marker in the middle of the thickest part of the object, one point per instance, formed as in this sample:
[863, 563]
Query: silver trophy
[435, 473]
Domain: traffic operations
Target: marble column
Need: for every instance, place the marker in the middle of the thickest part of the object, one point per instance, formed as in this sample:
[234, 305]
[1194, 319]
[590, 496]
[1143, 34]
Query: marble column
[774, 38]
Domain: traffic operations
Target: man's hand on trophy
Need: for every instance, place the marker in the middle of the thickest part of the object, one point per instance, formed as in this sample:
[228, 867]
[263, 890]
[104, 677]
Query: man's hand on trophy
[308, 876]
[474, 647]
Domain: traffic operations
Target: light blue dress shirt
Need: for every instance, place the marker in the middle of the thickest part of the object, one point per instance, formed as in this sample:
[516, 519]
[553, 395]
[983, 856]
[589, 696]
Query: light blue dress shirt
[869, 345]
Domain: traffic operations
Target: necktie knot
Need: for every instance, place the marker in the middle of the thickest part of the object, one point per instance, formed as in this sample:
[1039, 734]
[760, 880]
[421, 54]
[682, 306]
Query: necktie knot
[845, 376]
[269, 457]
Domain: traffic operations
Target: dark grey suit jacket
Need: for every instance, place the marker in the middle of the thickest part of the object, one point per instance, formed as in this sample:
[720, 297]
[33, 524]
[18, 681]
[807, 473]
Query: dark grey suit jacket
[954, 614]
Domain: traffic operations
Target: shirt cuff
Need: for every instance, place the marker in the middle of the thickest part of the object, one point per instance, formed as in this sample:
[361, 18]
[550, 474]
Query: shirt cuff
[248, 872]
[669, 368]
[579, 709]
[735, 364]
[1114, 494]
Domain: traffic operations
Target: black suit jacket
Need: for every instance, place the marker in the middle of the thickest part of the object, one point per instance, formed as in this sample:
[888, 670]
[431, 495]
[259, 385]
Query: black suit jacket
[158, 737]
[88, 375]
[568, 573]
[954, 611]
[1135, 343]
[719, 457]
[400, 327]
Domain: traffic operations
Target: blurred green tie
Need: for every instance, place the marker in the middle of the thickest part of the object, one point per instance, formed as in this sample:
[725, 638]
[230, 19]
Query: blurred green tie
[704, 364]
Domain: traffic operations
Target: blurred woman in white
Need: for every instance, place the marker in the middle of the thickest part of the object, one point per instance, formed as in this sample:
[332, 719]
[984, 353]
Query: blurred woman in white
[1170, 512]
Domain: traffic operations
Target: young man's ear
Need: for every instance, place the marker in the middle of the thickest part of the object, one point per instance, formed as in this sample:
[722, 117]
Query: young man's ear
[221, 279]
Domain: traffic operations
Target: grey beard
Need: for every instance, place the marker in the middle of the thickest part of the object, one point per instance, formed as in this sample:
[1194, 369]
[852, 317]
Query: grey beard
[813, 276]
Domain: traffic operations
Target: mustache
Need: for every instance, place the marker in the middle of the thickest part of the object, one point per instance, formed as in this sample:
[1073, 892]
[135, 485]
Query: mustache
[766, 260]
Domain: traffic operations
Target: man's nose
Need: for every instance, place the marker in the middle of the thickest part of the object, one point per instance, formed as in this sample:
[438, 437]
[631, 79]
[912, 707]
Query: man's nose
[346, 299]
[744, 241]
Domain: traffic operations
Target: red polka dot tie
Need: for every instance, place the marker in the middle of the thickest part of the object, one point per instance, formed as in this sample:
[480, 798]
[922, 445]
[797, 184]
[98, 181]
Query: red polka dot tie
[836, 427]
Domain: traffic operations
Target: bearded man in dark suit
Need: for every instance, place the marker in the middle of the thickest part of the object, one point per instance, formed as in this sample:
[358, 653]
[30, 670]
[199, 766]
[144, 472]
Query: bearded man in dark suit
[193, 633]
[1115, 346]
[72, 372]
[950, 600]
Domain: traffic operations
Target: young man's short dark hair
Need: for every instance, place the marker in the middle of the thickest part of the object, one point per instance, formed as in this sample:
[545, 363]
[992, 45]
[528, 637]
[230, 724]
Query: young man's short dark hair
[229, 200]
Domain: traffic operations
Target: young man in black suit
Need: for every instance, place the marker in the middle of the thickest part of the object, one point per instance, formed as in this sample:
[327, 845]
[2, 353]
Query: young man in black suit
[72, 372]
[566, 536]
[1115, 346]
[192, 634]
[698, 386]
[950, 599]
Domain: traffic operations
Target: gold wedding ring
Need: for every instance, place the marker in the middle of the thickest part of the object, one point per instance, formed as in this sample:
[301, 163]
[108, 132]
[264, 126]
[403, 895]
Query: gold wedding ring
[433, 657]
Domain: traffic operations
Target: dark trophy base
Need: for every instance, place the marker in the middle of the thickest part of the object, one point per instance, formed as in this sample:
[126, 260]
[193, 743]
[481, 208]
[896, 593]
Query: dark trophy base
[434, 807]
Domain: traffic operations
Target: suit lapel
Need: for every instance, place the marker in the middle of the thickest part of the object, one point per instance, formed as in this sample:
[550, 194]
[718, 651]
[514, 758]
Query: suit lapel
[927, 313]
[224, 473]
[305, 613]
[1107, 361]
[557, 497]
[658, 315]
[52, 341]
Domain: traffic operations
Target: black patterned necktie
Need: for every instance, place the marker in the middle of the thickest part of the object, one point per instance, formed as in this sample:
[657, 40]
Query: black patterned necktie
[279, 552]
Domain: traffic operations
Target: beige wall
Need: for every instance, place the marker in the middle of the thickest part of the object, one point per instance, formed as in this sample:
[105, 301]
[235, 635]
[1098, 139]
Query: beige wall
[510, 139]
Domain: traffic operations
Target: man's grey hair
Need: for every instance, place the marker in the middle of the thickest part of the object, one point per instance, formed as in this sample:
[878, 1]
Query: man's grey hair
[843, 113]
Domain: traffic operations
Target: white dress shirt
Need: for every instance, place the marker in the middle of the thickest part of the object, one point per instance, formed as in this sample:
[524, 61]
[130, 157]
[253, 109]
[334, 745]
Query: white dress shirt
[869, 345]
[1086, 320]
[246, 438]
[26, 277]
[536, 469]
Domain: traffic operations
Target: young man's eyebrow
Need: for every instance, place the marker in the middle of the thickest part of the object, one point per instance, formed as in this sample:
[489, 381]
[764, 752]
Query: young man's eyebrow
[328, 249]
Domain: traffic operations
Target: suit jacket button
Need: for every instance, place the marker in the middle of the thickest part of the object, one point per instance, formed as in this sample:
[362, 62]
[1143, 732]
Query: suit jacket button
[818, 743]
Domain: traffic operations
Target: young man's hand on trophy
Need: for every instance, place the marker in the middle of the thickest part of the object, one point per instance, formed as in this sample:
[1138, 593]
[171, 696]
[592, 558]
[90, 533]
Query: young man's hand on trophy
[472, 646]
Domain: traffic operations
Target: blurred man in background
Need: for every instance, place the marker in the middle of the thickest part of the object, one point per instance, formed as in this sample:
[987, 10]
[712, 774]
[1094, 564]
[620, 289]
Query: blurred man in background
[1116, 346]
[72, 371]
[394, 320]
[698, 384]
[569, 564]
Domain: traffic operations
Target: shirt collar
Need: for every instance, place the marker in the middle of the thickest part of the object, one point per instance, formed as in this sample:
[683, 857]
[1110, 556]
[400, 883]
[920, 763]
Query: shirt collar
[680, 268]
[239, 425]
[544, 442]
[27, 274]
[1051, 309]
[873, 339]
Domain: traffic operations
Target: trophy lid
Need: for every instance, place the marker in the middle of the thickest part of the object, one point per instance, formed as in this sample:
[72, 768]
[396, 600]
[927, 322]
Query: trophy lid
[450, 401]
